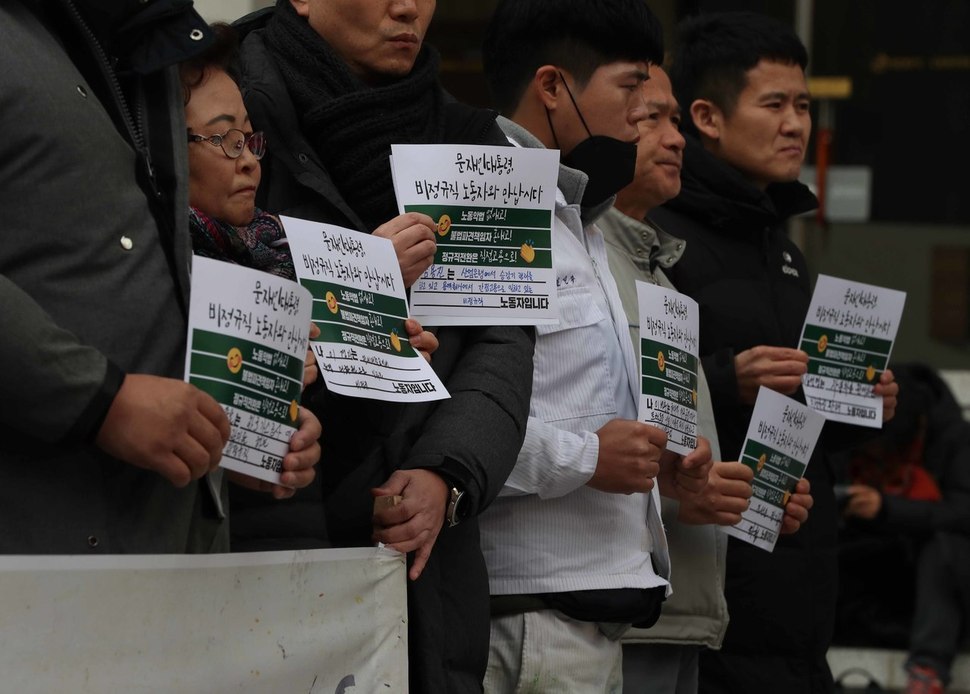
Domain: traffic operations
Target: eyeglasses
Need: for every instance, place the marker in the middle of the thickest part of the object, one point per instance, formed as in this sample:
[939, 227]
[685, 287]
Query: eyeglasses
[234, 141]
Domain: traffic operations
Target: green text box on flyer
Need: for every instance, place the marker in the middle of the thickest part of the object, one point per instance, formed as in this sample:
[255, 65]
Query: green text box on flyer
[668, 364]
[359, 305]
[247, 343]
[781, 437]
[493, 209]
[848, 335]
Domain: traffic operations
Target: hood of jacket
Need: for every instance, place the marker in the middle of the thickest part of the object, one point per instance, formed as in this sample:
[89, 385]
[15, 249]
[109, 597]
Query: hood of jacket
[143, 36]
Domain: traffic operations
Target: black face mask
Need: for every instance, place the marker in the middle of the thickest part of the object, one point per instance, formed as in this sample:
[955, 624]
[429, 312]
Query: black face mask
[609, 163]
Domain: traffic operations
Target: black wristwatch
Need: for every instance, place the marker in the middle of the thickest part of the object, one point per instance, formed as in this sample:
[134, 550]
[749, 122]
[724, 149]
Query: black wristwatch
[455, 512]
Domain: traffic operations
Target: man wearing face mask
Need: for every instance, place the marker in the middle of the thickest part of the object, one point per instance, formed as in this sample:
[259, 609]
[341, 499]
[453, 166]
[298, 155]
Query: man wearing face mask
[574, 544]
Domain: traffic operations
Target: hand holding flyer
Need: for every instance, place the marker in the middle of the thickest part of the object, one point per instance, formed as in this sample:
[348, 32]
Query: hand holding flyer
[848, 336]
[247, 342]
[493, 210]
[780, 441]
[668, 364]
[359, 305]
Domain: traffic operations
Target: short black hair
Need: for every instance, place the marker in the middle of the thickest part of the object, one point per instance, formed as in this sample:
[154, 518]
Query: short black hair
[578, 35]
[220, 55]
[713, 53]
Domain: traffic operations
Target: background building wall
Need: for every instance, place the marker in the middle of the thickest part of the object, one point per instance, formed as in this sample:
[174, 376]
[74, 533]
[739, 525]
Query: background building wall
[897, 255]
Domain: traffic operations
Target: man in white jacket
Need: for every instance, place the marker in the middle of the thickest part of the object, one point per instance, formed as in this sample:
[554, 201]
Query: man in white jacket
[574, 544]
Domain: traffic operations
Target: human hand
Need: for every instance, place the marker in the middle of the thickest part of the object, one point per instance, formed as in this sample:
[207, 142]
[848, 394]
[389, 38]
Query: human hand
[413, 524]
[310, 369]
[797, 508]
[422, 340]
[723, 499]
[690, 472]
[864, 501]
[629, 457]
[777, 368]
[414, 242]
[164, 425]
[888, 389]
[298, 464]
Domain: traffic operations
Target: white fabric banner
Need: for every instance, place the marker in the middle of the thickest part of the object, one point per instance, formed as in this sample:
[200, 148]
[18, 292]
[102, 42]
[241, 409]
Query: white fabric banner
[322, 621]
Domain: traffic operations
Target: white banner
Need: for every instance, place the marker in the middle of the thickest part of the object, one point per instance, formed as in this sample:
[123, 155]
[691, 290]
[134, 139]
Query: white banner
[322, 622]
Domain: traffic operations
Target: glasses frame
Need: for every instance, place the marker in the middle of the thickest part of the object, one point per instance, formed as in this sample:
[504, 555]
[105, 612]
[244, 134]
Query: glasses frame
[219, 140]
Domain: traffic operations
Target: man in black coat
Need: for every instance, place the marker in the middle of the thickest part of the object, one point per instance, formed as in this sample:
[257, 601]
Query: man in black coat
[334, 83]
[740, 78]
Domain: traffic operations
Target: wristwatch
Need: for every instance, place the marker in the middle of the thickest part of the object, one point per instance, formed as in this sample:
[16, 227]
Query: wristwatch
[455, 512]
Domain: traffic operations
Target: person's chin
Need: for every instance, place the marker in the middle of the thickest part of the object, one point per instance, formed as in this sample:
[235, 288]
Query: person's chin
[671, 190]
[790, 162]
[397, 69]
[398, 60]
[780, 172]
[242, 217]
[789, 174]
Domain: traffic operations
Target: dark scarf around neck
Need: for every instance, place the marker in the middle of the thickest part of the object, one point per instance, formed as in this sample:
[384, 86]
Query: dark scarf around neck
[260, 245]
[350, 124]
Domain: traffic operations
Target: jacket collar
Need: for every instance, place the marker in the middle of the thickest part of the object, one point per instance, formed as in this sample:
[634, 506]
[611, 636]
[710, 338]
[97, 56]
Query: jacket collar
[644, 242]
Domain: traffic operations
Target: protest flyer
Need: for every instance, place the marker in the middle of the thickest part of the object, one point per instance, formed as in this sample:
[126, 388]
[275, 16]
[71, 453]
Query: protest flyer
[493, 208]
[247, 344]
[359, 305]
[668, 364]
[848, 336]
[781, 437]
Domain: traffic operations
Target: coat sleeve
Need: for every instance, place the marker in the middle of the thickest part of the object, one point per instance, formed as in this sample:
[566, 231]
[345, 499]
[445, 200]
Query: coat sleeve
[553, 462]
[52, 387]
[473, 438]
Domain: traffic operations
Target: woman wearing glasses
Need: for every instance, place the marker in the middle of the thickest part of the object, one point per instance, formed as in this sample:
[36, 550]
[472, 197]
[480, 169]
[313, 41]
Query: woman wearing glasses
[224, 172]
[225, 224]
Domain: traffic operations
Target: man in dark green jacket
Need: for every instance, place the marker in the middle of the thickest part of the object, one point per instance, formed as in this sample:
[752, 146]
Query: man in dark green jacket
[104, 448]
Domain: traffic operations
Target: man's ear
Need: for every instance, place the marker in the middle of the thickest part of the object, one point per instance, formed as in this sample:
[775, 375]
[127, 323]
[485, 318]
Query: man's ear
[547, 86]
[707, 118]
[302, 7]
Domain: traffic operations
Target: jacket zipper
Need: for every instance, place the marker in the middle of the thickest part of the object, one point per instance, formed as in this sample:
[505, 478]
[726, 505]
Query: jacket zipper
[137, 138]
[105, 62]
